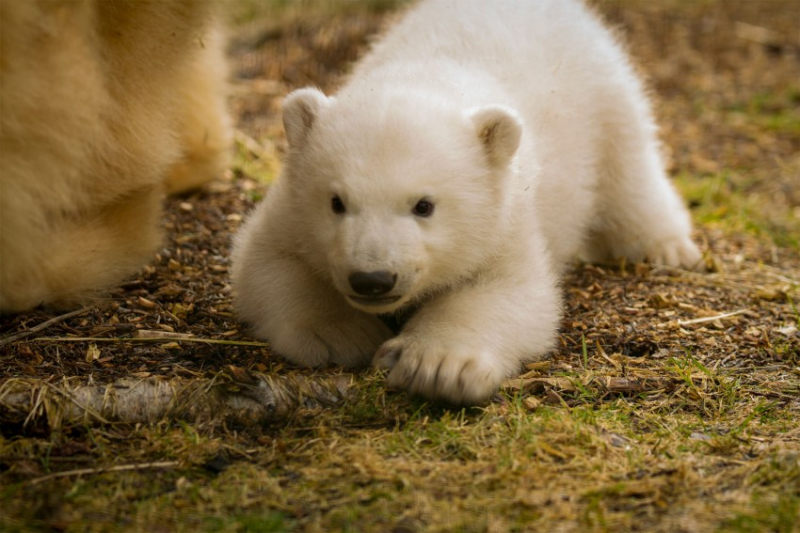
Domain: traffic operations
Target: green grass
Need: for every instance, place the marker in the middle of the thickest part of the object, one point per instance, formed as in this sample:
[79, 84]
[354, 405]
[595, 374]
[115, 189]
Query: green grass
[771, 510]
[253, 160]
[350, 469]
[725, 201]
[777, 113]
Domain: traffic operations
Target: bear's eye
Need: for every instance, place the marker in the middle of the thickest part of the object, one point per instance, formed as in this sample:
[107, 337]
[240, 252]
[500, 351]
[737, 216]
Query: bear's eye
[337, 205]
[424, 208]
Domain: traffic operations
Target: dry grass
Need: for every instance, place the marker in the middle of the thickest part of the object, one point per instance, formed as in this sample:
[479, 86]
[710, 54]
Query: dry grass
[673, 403]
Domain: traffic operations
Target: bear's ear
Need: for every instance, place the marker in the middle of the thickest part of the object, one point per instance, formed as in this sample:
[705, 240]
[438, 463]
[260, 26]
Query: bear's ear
[300, 110]
[499, 130]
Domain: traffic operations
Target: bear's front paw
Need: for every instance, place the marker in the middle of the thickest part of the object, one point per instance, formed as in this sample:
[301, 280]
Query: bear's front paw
[350, 343]
[456, 373]
[677, 252]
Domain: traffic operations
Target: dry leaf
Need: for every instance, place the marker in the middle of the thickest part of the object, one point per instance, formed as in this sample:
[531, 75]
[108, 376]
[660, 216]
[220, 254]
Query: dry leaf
[92, 353]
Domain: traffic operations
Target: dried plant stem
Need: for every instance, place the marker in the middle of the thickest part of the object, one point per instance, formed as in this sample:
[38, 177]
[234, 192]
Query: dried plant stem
[118, 468]
[710, 318]
[159, 339]
[44, 325]
[599, 384]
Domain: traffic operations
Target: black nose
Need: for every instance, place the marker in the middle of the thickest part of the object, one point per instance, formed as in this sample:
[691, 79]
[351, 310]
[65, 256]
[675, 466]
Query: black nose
[372, 283]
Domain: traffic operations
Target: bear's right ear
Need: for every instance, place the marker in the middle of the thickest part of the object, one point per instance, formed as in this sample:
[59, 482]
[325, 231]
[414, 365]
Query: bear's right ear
[300, 110]
[499, 130]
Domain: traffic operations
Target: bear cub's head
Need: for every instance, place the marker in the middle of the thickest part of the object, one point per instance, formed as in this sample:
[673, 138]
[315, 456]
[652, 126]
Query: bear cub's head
[397, 196]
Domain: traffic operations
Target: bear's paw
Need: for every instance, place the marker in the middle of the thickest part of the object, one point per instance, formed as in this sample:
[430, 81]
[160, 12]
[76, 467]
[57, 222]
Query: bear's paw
[679, 252]
[457, 373]
[349, 343]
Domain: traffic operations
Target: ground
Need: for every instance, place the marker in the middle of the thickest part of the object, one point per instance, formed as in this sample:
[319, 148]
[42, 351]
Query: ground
[672, 403]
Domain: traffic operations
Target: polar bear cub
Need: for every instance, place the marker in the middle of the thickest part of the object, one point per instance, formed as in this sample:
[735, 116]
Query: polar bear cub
[475, 150]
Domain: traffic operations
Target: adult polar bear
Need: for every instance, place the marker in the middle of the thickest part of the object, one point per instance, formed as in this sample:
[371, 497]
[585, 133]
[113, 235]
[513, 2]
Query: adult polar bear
[105, 105]
[478, 147]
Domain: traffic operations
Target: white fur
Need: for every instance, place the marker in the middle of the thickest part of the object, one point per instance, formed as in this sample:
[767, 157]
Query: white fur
[526, 127]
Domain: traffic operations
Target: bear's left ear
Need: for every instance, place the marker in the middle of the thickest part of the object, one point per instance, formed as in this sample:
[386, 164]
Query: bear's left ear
[300, 110]
[499, 130]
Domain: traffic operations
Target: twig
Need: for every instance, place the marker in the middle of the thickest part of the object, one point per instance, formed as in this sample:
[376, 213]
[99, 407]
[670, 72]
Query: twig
[622, 385]
[44, 325]
[151, 339]
[156, 334]
[710, 318]
[119, 468]
[598, 384]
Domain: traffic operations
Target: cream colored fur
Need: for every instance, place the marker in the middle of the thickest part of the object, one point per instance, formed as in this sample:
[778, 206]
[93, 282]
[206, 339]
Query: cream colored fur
[524, 125]
[104, 106]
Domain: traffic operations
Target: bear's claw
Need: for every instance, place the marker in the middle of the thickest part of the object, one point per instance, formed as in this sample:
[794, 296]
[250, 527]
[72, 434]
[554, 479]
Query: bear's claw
[386, 357]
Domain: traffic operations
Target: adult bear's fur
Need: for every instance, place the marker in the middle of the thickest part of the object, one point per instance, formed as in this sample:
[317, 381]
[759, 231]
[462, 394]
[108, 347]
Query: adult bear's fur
[104, 107]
